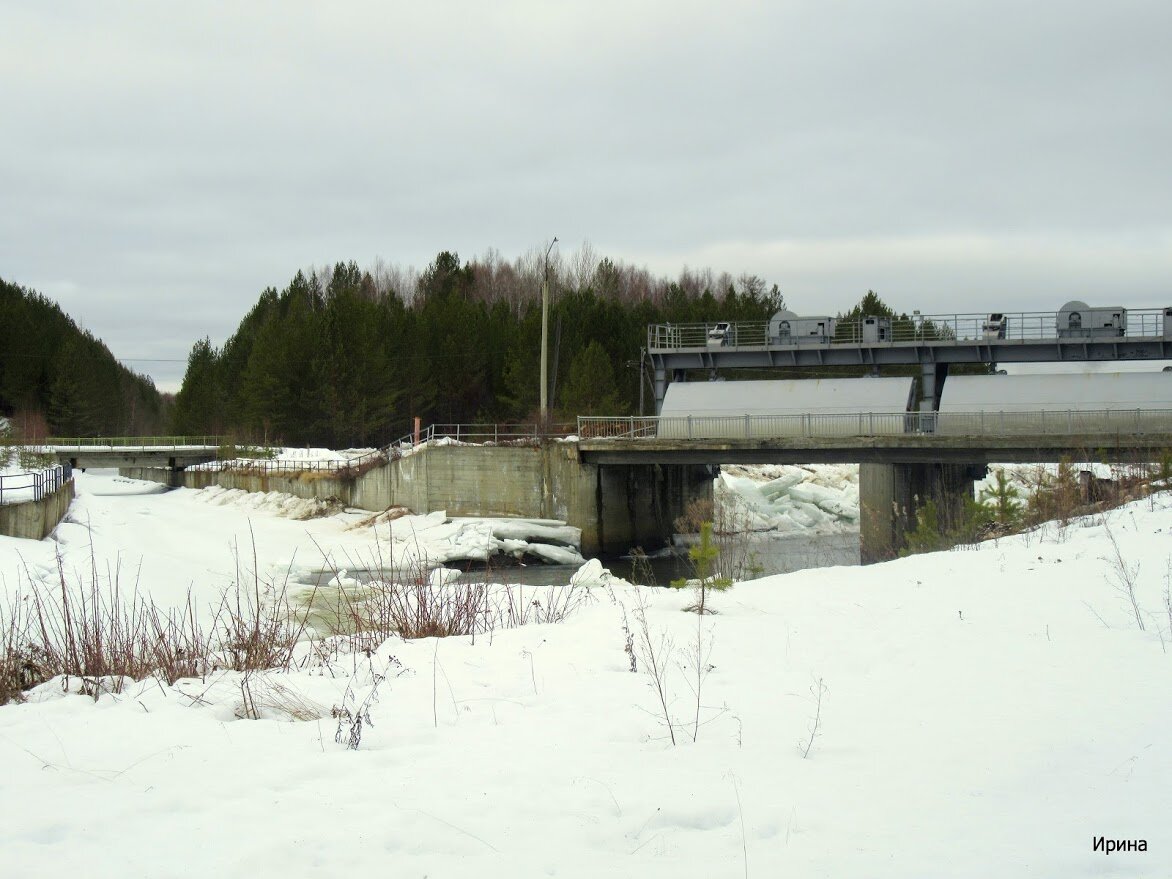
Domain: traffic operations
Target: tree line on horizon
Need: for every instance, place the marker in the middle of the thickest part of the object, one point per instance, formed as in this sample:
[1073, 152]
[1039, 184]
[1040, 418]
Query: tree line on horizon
[58, 379]
[348, 357]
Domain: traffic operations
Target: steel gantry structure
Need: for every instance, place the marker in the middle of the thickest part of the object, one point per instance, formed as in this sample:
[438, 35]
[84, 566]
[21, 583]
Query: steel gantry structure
[932, 342]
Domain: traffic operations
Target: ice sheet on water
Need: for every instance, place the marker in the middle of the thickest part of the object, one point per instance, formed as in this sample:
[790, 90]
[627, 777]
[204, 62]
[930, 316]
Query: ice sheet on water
[787, 498]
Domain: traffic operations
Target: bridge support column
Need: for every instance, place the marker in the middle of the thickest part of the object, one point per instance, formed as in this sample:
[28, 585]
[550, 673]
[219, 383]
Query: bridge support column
[637, 505]
[932, 377]
[890, 494]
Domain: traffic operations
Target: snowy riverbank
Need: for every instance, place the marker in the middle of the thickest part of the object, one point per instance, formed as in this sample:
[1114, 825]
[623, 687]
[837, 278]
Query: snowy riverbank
[984, 712]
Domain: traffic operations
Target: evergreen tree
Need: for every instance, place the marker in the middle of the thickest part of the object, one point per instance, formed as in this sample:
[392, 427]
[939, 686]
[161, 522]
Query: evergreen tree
[590, 388]
[199, 403]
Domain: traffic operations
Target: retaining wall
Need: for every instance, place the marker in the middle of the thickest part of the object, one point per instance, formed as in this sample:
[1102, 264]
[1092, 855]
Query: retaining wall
[35, 520]
[616, 507]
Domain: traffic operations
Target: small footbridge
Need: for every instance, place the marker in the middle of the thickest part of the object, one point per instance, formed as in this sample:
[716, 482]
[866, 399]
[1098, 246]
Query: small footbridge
[170, 452]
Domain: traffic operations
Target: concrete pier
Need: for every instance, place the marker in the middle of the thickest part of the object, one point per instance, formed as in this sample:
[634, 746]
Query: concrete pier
[890, 494]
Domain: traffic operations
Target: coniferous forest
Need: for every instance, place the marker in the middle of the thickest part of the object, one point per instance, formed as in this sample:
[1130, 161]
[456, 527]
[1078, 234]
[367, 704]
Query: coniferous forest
[56, 378]
[347, 357]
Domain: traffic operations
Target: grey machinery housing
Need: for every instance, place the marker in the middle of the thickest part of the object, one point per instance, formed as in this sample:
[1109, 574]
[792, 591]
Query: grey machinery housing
[1078, 320]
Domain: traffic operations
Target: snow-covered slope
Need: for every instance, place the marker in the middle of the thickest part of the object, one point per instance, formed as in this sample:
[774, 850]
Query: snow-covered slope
[986, 712]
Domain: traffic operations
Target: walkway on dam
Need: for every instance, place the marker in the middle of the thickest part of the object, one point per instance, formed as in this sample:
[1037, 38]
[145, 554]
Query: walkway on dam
[897, 437]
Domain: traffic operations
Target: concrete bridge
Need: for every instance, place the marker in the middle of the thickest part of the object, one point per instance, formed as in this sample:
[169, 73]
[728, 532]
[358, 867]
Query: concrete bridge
[904, 458]
[173, 453]
[624, 481]
[879, 437]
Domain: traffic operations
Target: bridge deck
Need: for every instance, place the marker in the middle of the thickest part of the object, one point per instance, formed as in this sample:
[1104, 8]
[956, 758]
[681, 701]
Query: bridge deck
[172, 452]
[909, 449]
[891, 437]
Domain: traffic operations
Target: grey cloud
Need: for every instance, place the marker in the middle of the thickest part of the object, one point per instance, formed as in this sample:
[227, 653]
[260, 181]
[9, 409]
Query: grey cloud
[163, 161]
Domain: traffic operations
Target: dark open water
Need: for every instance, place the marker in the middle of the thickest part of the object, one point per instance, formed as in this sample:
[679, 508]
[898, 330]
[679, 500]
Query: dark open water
[761, 555]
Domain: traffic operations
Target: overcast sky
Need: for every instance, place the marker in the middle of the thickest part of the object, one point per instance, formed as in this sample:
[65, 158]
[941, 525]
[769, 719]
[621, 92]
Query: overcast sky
[161, 163]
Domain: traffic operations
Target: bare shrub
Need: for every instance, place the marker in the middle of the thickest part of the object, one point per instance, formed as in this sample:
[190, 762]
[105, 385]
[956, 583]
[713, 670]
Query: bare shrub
[654, 651]
[538, 606]
[89, 628]
[257, 627]
[410, 600]
[1124, 573]
[353, 715]
[423, 607]
[642, 574]
[698, 655]
[268, 694]
[92, 631]
[818, 690]
[1168, 594]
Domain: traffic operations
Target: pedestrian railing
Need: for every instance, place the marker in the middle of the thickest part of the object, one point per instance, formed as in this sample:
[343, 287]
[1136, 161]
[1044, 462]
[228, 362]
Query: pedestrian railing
[483, 434]
[1070, 422]
[1141, 323]
[135, 443]
[471, 434]
[16, 488]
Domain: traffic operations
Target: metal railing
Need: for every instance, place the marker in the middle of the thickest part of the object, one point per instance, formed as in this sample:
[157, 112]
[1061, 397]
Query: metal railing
[1071, 422]
[137, 443]
[16, 488]
[1146, 323]
[483, 434]
[471, 434]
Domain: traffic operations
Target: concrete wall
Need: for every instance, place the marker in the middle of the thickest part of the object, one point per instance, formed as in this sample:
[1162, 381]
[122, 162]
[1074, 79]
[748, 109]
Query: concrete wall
[617, 507]
[35, 520]
[307, 485]
[890, 494]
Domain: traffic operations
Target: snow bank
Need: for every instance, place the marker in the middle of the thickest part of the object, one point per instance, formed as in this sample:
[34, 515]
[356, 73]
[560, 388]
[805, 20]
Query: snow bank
[273, 502]
[986, 712]
[593, 574]
[426, 539]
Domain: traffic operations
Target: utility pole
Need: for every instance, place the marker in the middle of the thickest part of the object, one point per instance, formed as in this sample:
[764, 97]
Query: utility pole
[545, 337]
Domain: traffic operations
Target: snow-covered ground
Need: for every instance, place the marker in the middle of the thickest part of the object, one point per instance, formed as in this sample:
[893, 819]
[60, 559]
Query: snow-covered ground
[168, 542]
[986, 712]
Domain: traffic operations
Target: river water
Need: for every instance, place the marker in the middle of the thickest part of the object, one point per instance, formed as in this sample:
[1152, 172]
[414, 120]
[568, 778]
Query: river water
[748, 556]
[744, 556]
[756, 555]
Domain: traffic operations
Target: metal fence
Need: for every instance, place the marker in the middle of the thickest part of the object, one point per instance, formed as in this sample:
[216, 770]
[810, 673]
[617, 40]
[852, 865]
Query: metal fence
[137, 443]
[939, 328]
[484, 434]
[16, 488]
[472, 434]
[1070, 422]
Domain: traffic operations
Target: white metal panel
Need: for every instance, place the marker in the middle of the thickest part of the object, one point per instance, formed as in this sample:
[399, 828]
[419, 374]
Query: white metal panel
[1076, 392]
[718, 409]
